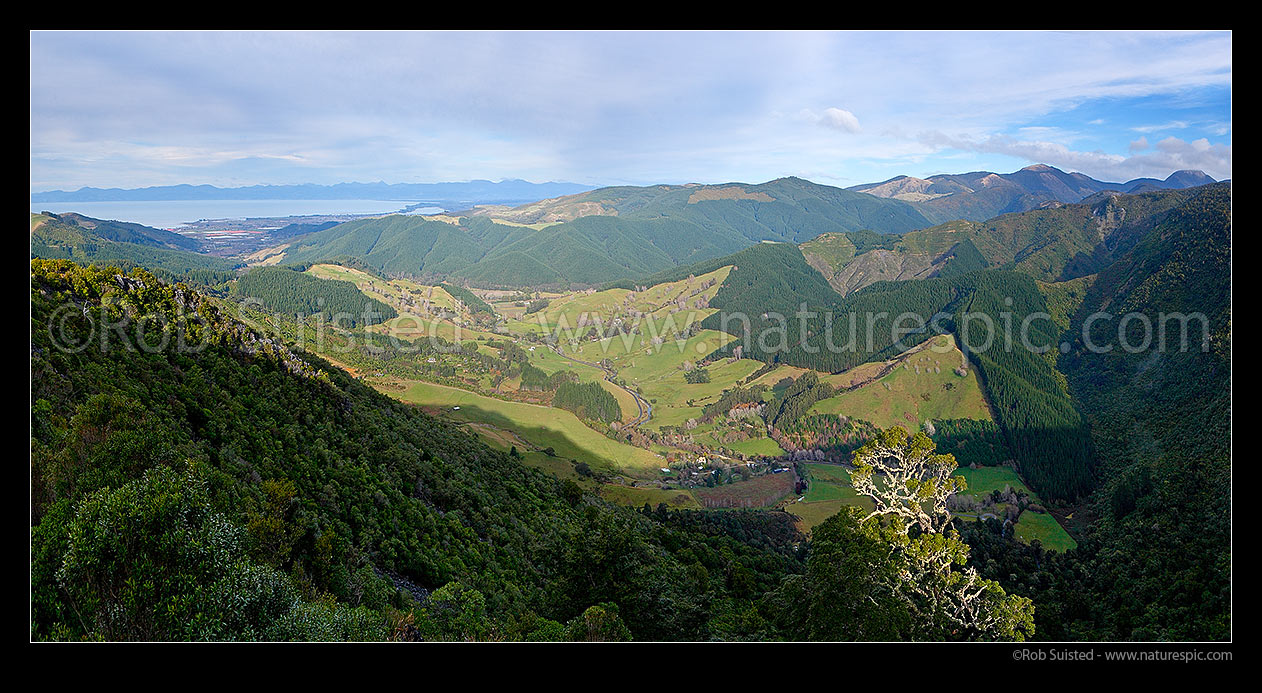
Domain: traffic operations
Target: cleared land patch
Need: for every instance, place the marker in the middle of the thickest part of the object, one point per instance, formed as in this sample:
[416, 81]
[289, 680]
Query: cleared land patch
[730, 192]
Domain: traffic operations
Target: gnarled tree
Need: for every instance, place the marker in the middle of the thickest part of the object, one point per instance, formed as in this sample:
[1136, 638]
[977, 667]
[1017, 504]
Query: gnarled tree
[909, 484]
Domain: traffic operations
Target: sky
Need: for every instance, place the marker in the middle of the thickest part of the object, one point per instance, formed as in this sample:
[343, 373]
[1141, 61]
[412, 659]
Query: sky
[232, 108]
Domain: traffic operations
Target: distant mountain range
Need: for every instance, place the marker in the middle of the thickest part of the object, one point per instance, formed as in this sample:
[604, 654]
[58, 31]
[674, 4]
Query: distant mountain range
[982, 195]
[512, 191]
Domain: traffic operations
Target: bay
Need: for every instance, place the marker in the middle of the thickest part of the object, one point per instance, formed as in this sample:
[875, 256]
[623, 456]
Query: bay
[171, 214]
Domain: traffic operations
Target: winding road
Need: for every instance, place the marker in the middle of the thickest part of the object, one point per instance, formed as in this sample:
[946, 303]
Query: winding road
[645, 410]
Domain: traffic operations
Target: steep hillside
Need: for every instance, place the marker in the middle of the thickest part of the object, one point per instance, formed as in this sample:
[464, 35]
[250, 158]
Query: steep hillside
[127, 232]
[486, 253]
[85, 240]
[1058, 242]
[1161, 421]
[243, 490]
[292, 291]
[1154, 561]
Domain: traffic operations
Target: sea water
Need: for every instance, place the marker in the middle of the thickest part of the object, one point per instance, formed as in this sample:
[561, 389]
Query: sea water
[170, 214]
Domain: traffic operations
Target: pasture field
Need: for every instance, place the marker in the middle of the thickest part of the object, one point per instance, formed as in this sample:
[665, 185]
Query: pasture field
[923, 385]
[677, 499]
[810, 514]
[1043, 526]
[668, 351]
[665, 415]
[657, 370]
[657, 300]
[828, 492]
[413, 327]
[566, 312]
[418, 306]
[346, 274]
[758, 446]
[855, 376]
[550, 362]
[525, 326]
[983, 480]
[1030, 525]
[542, 426]
[509, 310]
[828, 472]
[824, 490]
[830, 489]
[779, 373]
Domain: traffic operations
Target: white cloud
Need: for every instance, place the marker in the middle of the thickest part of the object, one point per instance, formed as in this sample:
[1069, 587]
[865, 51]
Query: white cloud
[840, 119]
[1172, 125]
[1139, 145]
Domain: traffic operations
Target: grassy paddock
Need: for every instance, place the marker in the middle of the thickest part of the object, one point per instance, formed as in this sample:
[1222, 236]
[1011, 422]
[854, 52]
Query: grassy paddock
[637, 497]
[1043, 526]
[542, 426]
[923, 385]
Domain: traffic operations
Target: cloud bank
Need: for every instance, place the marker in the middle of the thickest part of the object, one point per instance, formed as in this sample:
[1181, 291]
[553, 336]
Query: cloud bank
[129, 109]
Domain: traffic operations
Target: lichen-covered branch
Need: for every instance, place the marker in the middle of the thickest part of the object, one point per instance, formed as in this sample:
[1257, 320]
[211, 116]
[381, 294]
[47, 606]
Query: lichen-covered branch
[909, 485]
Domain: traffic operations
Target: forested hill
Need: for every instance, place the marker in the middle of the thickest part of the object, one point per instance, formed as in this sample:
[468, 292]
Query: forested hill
[1161, 420]
[85, 240]
[242, 490]
[128, 232]
[1055, 243]
[1154, 561]
[605, 235]
[792, 209]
